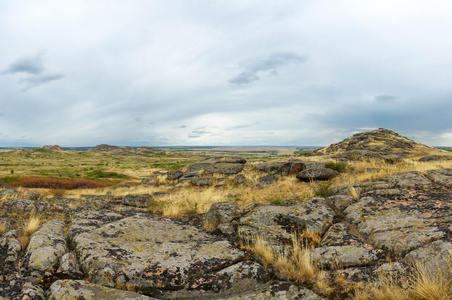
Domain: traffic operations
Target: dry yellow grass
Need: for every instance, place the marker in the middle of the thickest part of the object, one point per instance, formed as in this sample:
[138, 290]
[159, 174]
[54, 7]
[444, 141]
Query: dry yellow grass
[3, 228]
[32, 225]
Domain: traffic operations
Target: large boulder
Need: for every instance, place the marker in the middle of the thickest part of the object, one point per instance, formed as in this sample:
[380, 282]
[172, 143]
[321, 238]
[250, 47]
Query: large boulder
[221, 212]
[343, 247]
[277, 223]
[281, 167]
[224, 168]
[80, 289]
[317, 174]
[408, 180]
[435, 158]
[47, 246]
[400, 226]
[151, 253]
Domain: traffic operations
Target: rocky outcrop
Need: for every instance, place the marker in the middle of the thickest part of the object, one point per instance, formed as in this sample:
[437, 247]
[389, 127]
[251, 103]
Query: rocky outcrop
[115, 150]
[317, 174]
[386, 227]
[51, 148]
[80, 289]
[281, 167]
[372, 144]
[47, 246]
[150, 253]
[435, 158]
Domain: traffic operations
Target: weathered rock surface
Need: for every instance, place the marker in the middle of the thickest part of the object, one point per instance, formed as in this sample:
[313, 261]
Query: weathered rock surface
[381, 141]
[224, 168]
[387, 227]
[222, 212]
[203, 181]
[47, 246]
[281, 167]
[408, 180]
[400, 226]
[317, 174]
[277, 222]
[342, 247]
[151, 253]
[80, 289]
[141, 200]
[435, 157]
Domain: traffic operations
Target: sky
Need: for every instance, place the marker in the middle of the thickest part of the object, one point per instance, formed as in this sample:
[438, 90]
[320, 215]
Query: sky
[223, 72]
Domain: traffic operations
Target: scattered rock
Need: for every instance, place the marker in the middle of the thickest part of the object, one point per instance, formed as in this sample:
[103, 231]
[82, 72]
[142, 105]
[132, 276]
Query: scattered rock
[80, 289]
[317, 174]
[151, 253]
[435, 157]
[267, 180]
[281, 168]
[137, 200]
[47, 246]
[408, 180]
[224, 168]
[174, 174]
[203, 181]
[221, 212]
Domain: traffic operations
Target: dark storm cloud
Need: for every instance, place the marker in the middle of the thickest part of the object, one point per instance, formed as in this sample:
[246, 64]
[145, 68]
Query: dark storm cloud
[251, 69]
[34, 67]
[386, 98]
[28, 64]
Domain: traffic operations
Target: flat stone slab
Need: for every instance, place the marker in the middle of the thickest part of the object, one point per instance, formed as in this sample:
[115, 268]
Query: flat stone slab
[151, 253]
[278, 222]
[343, 248]
[400, 226]
[278, 290]
[79, 289]
[47, 246]
[408, 180]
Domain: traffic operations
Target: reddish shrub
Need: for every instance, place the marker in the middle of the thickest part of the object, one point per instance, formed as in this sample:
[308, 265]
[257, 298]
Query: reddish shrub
[54, 183]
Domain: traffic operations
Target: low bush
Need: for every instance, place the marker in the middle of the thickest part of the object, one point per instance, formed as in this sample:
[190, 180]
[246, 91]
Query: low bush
[340, 167]
[50, 183]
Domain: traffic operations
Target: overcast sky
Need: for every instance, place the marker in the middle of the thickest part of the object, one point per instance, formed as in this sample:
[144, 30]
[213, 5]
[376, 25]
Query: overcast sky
[232, 72]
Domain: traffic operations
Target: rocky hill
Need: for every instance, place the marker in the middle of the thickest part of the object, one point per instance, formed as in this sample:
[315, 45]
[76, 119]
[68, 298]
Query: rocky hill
[115, 150]
[381, 141]
[51, 148]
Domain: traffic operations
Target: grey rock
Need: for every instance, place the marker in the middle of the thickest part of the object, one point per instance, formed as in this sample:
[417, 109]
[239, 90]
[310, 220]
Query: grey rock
[281, 167]
[276, 290]
[224, 168]
[277, 222]
[137, 200]
[341, 202]
[317, 174]
[435, 157]
[340, 248]
[203, 181]
[221, 212]
[408, 180]
[231, 280]
[174, 175]
[267, 180]
[47, 246]
[69, 265]
[150, 253]
[79, 289]
[400, 226]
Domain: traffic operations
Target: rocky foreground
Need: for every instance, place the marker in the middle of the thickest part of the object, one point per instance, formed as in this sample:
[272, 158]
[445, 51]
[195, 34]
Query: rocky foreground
[90, 249]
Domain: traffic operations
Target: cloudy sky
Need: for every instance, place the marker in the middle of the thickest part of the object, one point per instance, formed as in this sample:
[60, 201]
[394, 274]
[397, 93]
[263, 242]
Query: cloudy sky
[223, 72]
